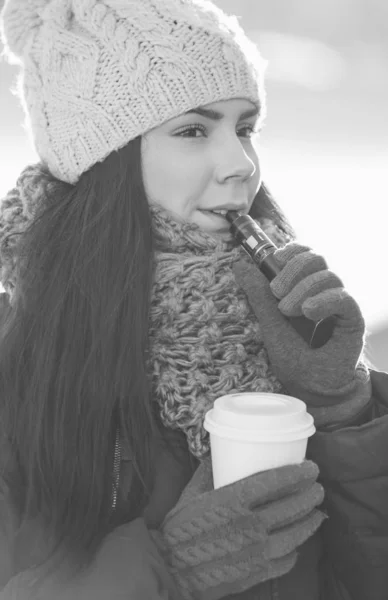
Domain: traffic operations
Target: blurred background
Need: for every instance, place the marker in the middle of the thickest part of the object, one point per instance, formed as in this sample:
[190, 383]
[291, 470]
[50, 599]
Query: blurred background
[324, 148]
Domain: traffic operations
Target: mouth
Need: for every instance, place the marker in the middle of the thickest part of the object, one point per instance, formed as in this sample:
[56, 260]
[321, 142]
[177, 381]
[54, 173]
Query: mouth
[217, 218]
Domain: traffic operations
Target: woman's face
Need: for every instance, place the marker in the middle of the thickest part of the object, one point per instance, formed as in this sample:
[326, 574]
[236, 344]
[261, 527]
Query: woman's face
[204, 160]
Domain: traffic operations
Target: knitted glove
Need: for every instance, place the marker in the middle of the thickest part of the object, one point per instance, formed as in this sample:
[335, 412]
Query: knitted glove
[305, 286]
[224, 541]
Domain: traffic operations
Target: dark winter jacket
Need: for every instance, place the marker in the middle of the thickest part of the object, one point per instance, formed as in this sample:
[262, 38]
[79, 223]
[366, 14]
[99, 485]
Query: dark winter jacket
[346, 560]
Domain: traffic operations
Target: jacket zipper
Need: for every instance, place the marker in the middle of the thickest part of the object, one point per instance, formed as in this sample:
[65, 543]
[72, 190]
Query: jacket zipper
[116, 469]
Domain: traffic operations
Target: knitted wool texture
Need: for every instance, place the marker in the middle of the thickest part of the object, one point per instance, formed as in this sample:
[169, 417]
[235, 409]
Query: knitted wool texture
[204, 338]
[98, 73]
[216, 542]
[17, 210]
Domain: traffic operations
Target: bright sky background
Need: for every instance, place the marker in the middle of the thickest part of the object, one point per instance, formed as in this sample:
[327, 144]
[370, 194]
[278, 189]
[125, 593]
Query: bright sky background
[325, 144]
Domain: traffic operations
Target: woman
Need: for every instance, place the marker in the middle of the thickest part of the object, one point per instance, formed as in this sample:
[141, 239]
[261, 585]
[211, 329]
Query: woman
[131, 310]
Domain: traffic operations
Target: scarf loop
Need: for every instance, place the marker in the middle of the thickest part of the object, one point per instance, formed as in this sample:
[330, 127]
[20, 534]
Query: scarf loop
[205, 341]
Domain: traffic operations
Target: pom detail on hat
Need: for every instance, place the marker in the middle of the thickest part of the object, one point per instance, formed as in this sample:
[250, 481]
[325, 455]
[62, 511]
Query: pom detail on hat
[19, 20]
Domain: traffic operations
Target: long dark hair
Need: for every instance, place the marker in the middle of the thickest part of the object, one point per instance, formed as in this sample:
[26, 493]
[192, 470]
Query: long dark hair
[73, 352]
[265, 207]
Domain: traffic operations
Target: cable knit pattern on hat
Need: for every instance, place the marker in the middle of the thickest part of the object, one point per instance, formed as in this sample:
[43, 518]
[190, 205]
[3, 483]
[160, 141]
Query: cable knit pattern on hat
[98, 73]
[205, 339]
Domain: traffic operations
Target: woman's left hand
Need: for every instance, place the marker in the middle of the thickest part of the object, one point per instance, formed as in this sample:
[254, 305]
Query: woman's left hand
[305, 286]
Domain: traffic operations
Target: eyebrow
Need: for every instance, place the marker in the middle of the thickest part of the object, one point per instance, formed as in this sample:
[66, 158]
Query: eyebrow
[217, 116]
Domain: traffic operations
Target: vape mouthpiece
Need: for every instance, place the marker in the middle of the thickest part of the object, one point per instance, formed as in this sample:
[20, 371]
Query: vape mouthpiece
[232, 215]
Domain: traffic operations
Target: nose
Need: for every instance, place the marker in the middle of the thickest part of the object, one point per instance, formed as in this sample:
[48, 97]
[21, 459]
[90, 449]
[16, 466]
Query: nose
[234, 162]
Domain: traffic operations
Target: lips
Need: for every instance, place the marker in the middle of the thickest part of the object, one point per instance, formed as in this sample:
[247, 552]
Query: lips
[215, 216]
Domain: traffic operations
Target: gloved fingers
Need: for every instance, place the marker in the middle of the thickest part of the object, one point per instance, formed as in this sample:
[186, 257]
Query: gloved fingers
[267, 486]
[287, 540]
[289, 252]
[338, 302]
[273, 324]
[298, 268]
[287, 509]
[291, 305]
[242, 496]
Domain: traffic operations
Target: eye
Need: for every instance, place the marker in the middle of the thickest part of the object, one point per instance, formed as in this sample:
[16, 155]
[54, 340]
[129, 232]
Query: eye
[191, 131]
[248, 130]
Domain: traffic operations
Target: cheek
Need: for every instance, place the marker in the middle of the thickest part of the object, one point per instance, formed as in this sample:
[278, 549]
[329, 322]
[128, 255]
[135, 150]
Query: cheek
[157, 171]
[165, 182]
[170, 178]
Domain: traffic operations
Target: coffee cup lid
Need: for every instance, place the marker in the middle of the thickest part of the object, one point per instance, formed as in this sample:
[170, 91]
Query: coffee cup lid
[259, 416]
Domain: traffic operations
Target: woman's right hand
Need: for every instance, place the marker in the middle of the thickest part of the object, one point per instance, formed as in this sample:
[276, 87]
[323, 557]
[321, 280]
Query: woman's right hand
[306, 287]
[224, 541]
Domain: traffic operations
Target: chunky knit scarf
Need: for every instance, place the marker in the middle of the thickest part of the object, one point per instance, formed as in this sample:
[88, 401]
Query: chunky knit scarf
[205, 340]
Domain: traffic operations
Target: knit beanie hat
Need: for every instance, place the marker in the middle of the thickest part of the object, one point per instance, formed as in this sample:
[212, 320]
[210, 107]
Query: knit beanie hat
[98, 73]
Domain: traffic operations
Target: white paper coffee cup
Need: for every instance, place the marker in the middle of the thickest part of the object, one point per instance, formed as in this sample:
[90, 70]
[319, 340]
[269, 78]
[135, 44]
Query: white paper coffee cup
[255, 431]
